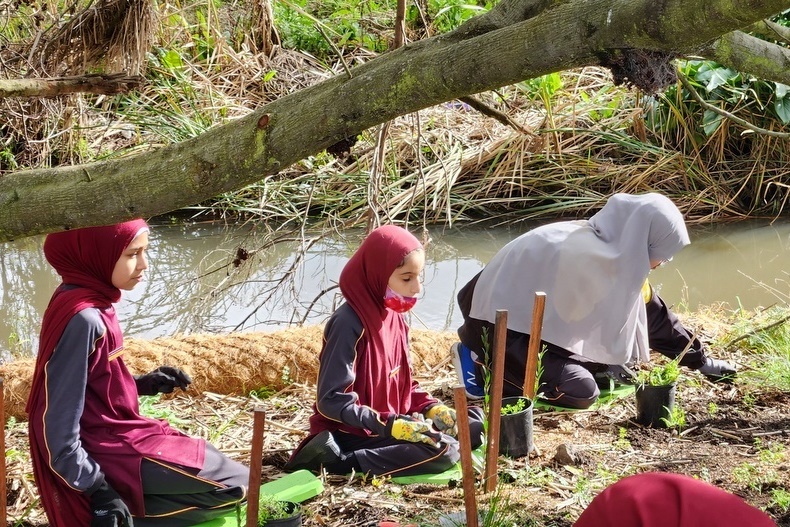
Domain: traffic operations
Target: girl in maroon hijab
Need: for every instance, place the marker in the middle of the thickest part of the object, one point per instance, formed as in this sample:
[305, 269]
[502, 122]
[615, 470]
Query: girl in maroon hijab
[658, 499]
[370, 415]
[96, 460]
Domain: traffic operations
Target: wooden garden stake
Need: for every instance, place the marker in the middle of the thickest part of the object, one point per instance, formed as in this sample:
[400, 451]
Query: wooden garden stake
[465, 445]
[256, 462]
[533, 350]
[3, 502]
[495, 402]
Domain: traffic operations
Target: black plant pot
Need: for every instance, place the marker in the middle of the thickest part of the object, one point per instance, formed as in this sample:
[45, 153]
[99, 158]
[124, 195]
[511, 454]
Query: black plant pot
[654, 404]
[515, 430]
[291, 521]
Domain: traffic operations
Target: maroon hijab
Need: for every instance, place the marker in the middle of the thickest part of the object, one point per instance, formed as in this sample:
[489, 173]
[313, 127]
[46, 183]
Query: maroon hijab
[363, 283]
[657, 499]
[85, 258]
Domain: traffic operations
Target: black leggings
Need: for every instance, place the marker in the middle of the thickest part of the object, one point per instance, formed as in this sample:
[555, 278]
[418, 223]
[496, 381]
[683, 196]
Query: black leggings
[568, 379]
[178, 496]
[391, 457]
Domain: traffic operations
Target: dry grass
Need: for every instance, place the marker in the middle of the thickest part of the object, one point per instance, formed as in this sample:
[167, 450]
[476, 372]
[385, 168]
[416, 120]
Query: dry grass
[231, 364]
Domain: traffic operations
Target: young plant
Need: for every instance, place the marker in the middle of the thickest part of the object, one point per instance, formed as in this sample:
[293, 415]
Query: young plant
[497, 511]
[514, 408]
[539, 371]
[676, 418]
[659, 375]
[780, 498]
[622, 442]
[270, 508]
[486, 374]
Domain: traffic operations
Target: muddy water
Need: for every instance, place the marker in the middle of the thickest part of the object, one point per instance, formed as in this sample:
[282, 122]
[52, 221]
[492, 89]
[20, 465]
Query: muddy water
[194, 286]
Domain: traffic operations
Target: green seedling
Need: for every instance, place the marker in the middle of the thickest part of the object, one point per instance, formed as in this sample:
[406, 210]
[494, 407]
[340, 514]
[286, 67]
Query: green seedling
[514, 408]
[659, 375]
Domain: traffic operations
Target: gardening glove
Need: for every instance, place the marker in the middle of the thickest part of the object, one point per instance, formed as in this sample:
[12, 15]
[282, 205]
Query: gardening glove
[443, 418]
[164, 379]
[717, 370]
[108, 509]
[620, 374]
[408, 428]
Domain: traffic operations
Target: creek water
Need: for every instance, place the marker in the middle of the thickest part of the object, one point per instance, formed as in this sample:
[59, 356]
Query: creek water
[193, 285]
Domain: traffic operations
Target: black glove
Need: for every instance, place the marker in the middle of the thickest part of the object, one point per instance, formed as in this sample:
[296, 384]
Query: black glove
[108, 509]
[618, 374]
[164, 379]
[718, 370]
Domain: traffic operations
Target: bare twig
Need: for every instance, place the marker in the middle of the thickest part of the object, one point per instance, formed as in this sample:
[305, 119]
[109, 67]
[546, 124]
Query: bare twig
[755, 332]
[503, 118]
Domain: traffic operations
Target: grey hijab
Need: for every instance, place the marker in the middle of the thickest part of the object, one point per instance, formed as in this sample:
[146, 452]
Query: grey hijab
[592, 272]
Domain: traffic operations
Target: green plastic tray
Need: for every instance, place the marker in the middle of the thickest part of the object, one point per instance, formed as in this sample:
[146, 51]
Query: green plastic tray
[297, 487]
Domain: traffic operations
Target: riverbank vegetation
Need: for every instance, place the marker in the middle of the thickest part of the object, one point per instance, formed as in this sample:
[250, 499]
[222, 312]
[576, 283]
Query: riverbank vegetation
[716, 142]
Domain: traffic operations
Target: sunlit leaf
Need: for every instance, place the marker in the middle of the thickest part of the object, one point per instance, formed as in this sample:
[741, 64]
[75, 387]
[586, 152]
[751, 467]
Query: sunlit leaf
[720, 76]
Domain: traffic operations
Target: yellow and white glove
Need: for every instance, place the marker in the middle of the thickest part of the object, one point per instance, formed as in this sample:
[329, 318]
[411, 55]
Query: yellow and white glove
[443, 418]
[407, 428]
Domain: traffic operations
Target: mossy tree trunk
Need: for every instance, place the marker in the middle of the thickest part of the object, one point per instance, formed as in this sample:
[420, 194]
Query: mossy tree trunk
[517, 40]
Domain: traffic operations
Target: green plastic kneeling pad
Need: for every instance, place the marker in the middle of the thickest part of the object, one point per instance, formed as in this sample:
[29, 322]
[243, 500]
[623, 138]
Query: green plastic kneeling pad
[297, 487]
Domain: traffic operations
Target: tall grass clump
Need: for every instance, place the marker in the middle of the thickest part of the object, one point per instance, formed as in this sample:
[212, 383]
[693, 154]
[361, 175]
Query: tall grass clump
[764, 338]
[729, 153]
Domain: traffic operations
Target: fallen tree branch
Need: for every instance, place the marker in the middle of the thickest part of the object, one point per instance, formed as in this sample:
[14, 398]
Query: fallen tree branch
[768, 28]
[96, 84]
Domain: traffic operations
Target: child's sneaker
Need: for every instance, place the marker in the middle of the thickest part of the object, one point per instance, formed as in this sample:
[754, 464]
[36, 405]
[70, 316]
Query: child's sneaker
[464, 361]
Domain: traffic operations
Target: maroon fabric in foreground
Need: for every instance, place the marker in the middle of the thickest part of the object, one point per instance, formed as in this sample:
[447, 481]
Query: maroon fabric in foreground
[657, 499]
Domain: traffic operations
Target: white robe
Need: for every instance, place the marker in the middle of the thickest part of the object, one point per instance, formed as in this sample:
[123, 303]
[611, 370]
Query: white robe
[592, 272]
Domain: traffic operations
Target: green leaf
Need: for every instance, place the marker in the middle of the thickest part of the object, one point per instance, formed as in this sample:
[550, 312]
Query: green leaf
[720, 76]
[172, 60]
[710, 122]
[782, 108]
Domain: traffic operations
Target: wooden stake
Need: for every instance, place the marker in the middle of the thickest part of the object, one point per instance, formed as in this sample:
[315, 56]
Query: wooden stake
[495, 400]
[3, 498]
[533, 350]
[256, 464]
[465, 445]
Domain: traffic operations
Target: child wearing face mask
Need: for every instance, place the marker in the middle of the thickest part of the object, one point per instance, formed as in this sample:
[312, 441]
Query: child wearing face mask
[370, 415]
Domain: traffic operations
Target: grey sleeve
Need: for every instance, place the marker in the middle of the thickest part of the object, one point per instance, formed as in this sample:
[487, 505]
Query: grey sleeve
[66, 380]
[335, 398]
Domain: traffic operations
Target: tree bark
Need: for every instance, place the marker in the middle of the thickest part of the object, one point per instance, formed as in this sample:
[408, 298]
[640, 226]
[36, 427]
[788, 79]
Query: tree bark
[750, 54]
[97, 84]
[516, 40]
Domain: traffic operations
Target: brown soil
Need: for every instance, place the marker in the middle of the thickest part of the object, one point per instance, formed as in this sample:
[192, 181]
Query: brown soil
[736, 436]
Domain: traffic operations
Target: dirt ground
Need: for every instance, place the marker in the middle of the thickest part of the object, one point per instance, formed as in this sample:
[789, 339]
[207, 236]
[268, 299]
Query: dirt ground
[735, 436]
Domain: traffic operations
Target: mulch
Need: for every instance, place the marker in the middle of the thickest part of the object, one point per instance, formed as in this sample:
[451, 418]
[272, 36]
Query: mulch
[736, 436]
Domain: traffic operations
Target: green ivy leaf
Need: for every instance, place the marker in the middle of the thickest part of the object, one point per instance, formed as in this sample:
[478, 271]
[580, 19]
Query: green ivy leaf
[782, 108]
[719, 77]
[710, 122]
